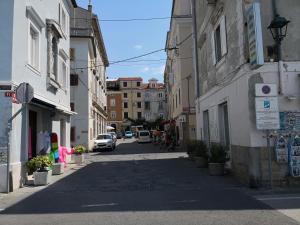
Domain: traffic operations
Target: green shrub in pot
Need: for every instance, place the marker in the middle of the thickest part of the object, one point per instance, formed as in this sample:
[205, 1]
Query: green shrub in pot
[39, 164]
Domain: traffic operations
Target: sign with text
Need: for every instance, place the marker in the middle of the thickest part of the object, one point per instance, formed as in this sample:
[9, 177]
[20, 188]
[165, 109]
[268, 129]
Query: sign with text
[267, 113]
[255, 39]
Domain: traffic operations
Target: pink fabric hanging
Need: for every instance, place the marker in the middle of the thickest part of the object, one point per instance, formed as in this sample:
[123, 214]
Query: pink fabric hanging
[63, 152]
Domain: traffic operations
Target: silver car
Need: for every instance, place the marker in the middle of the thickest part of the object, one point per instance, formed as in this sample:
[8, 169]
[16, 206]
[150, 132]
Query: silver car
[104, 141]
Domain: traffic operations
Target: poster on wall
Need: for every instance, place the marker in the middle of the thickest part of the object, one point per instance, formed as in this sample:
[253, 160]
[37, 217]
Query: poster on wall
[289, 121]
[281, 150]
[295, 157]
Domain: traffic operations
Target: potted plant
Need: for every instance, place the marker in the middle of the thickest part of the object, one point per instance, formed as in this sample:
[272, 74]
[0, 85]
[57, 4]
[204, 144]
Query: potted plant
[40, 166]
[201, 156]
[217, 159]
[191, 147]
[78, 154]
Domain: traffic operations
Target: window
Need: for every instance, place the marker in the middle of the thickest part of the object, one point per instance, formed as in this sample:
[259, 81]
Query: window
[218, 41]
[112, 102]
[72, 105]
[218, 53]
[125, 105]
[139, 115]
[34, 48]
[179, 96]
[160, 105]
[125, 95]
[63, 19]
[63, 73]
[176, 101]
[124, 84]
[153, 85]
[160, 95]
[138, 84]
[72, 54]
[125, 115]
[161, 115]
[113, 115]
[74, 79]
[138, 94]
[147, 105]
[54, 59]
[139, 105]
[73, 134]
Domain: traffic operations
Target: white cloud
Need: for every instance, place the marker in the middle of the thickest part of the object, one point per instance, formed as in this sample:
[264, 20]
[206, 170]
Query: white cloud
[146, 69]
[158, 70]
[138, 47]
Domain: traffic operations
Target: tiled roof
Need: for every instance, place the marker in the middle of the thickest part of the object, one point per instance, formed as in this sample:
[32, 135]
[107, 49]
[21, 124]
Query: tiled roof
[131, 79]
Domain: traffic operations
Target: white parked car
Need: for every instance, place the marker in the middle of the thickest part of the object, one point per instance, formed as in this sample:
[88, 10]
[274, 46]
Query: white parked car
[104, 141]
[143, 136]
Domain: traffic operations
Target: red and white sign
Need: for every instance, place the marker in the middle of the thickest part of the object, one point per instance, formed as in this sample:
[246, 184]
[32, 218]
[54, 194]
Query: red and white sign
[12, 95]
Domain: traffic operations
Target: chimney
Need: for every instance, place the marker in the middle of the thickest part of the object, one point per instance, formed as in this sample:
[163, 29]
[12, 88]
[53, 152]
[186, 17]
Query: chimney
[90, 7]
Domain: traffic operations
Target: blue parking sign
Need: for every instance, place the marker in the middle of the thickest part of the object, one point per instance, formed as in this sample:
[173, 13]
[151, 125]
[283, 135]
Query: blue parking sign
[267, 104]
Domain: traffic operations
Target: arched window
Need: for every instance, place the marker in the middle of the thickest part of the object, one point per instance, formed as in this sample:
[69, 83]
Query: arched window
[54, 57]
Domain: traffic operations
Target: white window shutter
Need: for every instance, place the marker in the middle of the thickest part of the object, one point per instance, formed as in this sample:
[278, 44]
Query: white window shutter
[223, 35]
[213, 48]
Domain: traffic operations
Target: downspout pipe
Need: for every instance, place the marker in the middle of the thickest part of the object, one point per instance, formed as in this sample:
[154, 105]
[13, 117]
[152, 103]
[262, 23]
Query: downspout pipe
[196, 57]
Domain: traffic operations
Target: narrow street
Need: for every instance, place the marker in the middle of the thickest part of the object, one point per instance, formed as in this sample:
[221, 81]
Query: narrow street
[141, 184]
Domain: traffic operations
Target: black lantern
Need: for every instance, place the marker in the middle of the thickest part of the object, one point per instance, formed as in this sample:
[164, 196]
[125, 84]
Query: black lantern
[278, 28]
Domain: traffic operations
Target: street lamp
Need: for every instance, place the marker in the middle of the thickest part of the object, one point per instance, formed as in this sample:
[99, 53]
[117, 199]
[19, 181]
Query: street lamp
[278, 28]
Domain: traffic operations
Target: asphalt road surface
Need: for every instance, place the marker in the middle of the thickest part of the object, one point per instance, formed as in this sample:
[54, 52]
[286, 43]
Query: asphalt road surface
[141, 184]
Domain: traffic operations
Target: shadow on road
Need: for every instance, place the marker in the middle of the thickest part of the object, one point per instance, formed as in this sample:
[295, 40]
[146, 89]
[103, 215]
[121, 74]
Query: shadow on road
[147, 185]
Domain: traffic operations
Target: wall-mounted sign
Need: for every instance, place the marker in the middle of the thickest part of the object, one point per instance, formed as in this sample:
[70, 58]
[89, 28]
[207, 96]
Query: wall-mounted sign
[265, 90]
[256, 52]
[267, 114]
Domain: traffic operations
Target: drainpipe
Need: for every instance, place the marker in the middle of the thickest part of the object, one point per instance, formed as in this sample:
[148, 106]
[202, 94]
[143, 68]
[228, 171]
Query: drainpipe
[196, 62]
[279, 51]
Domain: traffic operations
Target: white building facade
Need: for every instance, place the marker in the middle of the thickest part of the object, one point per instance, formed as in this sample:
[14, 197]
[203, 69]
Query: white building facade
[88, 78]
[179, 75]
[34, 49]
[226, 80]
[154, 98]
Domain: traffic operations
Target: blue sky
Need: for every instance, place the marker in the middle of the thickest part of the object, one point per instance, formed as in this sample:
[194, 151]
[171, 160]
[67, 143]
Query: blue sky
[127, 39]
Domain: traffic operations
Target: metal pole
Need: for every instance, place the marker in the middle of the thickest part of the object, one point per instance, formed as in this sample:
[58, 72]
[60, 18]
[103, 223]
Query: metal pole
[8, 158]
[270, 158]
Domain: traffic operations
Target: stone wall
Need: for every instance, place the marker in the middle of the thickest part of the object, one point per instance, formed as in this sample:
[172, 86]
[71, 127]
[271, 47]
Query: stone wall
[250, 166]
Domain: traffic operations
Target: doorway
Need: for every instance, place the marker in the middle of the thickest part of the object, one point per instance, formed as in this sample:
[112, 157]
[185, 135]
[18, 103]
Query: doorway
[32, 138]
